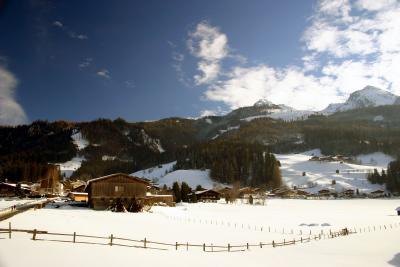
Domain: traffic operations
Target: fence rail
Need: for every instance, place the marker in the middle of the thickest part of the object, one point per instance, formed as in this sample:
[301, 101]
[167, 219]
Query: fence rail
[112, 240]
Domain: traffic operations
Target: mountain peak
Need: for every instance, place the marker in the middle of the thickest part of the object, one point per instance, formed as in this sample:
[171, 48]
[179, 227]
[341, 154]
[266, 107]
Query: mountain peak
[263, 102]
[369, 96]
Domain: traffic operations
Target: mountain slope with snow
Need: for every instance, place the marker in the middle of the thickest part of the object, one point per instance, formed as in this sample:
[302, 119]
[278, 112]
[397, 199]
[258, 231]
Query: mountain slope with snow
[319, 174]
[369, 96]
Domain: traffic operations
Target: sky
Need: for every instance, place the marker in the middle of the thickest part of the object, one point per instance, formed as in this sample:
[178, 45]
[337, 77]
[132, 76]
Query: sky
[147, 60]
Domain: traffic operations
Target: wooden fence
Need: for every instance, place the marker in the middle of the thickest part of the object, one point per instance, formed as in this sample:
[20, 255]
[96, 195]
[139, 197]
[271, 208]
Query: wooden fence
[113, 240]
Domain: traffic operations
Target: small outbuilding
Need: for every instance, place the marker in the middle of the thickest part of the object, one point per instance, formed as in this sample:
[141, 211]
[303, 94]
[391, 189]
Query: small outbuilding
[120, 188]
[78, 196]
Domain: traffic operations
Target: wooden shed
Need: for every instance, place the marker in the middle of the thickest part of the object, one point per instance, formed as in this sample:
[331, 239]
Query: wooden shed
[78, 196]
[115, 188]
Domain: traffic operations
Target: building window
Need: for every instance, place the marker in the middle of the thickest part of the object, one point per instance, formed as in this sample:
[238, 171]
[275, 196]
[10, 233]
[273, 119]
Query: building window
[119, 189]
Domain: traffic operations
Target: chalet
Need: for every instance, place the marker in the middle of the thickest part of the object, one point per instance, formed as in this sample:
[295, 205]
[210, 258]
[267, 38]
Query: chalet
[78, 196]
[12, 190]
[377, 193]
[348, 193]
[80, 188]
[324, 193]
[225, 190]
[207, 195]
[118, 188]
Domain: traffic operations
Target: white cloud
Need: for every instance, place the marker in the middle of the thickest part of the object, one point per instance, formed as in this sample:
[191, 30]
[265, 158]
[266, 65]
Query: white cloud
[104, 73]
[347, 46]
[11, 113]
[58, 24]
[70, 33]
[211, 46]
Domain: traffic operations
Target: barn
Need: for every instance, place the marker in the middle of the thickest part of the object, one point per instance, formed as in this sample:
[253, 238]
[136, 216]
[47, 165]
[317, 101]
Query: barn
[115, 189]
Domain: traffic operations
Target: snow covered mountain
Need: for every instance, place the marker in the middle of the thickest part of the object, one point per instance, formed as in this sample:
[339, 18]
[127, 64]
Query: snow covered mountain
[264, 108]
[370, 96]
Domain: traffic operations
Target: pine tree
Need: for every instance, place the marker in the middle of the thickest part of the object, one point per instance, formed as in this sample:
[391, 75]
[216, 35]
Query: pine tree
[185, 191]
[177, 192]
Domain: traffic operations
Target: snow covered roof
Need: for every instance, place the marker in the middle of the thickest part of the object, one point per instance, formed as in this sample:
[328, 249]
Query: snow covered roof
[79, 193]
[116, 174]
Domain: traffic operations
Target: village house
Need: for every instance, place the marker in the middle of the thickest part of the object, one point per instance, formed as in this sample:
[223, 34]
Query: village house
[207, 195]
[106, 191]
[324, 193]
[12, 190]
[348, 193]
[377, 193]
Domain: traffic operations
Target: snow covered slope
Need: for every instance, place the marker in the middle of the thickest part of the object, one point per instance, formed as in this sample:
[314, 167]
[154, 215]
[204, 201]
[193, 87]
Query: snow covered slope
[319, 175]
[267, 109]
[67, 168]
[368, 97]
[164, 174]
[377, 159]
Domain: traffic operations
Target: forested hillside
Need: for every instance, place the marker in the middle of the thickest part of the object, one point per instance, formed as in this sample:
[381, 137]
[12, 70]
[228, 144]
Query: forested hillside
[120, 146]
[231, 161]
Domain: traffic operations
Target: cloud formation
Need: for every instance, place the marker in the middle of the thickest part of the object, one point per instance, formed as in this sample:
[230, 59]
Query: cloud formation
[104, 73]
[11, 113]
[72, 34]
[211, 46]
[347, 45]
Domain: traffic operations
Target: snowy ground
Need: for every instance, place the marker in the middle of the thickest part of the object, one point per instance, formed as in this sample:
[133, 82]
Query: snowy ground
[351, 176]
[8, 202]
[164, 174]
[215, 223]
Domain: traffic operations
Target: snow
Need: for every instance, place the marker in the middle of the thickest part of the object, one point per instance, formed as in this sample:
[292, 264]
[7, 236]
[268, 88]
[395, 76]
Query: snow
[283, 113]
[377, 159]
[209, 121]
[79, 140]
[321, 174]
[191, 177]
[8, 202]
[379, 118]
[67, 168]
[156, 172]
[186, 223]
[368, 97]
[164, 174]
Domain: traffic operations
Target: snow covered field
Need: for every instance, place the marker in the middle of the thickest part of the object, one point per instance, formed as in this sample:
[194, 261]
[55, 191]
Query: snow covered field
[351, 176]
[8, 202]
[214, 223]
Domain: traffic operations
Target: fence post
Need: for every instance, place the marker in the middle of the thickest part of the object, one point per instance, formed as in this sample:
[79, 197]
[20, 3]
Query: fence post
[247, 245]
[229, 247]
[111, 239]
[273, 243]
[212, 247]
[204, 246]
[187, 246]
[294, 241]
[176, 245]
[301, 239]
[145, 243]
[74, 238]
[284, 241]
[260, 244]
[34, 234]
[9, 230]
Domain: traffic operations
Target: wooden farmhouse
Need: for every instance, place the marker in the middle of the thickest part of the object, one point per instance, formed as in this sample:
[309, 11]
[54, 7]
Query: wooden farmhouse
[12, 190]
[115, 188]
[377, 193]
[208, 195]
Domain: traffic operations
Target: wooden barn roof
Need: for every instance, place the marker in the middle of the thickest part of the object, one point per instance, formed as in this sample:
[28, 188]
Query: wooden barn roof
[134, 178]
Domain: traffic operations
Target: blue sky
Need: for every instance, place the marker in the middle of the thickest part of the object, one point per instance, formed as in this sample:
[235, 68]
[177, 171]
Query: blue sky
[146, 60]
